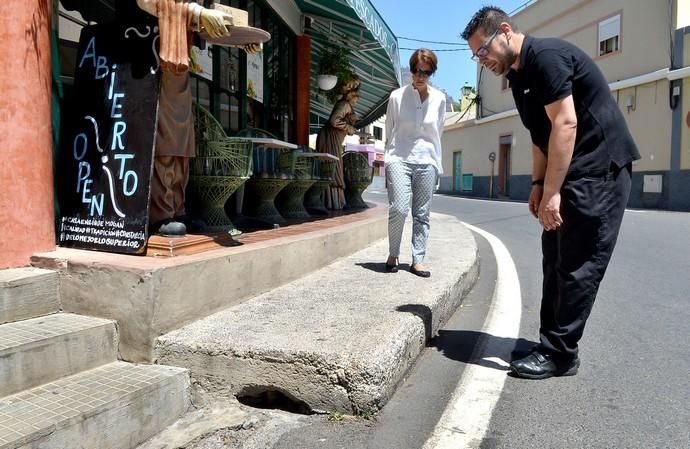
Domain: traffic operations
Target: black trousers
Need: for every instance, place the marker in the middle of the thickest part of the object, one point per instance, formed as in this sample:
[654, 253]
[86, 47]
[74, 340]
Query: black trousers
[576, 255]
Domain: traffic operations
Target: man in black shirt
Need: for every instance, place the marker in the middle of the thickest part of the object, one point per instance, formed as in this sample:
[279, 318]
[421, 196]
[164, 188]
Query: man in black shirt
[582, 156]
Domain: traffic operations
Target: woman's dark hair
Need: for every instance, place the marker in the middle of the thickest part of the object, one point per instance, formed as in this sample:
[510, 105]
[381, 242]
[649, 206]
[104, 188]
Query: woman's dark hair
[423, 55]
[489, 18]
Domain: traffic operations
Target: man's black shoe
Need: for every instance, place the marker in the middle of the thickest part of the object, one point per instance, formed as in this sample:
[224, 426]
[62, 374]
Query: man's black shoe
[169, 228]
[542, 366]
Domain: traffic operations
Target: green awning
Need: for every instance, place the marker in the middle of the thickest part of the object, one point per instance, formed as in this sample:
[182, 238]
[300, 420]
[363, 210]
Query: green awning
[357, 25]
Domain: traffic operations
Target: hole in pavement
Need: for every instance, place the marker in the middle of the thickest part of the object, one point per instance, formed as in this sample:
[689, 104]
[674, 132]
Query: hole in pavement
[272, 398]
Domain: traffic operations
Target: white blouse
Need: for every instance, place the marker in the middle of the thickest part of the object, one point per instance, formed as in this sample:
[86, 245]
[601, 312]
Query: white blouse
[414, 128]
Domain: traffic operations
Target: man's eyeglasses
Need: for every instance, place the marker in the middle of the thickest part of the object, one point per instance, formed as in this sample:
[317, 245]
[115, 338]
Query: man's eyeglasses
[484, 49]
[424, 73]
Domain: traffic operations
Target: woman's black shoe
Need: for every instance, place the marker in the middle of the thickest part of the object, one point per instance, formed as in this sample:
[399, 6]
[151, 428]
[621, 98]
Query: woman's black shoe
[420, 273]
[391, 268]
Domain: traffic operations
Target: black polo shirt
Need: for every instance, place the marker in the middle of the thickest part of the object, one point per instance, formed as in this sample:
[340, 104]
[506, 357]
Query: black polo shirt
[551, 69]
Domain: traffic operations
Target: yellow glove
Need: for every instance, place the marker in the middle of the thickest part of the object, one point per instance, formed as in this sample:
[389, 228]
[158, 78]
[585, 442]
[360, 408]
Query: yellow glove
[253, 49]
[216, 23]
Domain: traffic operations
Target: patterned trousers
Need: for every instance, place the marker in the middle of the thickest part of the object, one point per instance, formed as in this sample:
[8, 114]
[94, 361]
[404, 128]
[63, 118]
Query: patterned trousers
[409, 184]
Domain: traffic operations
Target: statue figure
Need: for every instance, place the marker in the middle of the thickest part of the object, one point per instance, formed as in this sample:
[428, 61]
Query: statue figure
[331, 136]
[175, 134]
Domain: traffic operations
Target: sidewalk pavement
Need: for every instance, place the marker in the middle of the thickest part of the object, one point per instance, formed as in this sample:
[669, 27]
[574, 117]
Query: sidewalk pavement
[339, 339]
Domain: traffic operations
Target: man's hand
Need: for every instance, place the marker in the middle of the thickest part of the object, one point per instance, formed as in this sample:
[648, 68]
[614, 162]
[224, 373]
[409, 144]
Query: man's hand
[549, 213]
[216, 23]
[535, 199]
[253, 49]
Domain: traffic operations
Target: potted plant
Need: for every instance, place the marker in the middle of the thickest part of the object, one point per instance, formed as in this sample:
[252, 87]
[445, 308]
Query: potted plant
[334, 68]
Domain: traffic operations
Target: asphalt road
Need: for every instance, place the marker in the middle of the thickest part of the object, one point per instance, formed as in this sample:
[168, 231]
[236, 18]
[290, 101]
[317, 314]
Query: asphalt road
[632, 390]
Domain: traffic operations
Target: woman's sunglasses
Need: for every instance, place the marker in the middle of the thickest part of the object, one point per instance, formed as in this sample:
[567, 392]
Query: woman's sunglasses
[425, 73]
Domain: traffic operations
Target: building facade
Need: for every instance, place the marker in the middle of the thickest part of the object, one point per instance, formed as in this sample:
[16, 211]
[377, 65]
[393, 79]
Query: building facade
[643, 49]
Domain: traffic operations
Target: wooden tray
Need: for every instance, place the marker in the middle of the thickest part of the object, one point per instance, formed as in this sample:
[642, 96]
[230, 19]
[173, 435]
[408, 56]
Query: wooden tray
[239, 37]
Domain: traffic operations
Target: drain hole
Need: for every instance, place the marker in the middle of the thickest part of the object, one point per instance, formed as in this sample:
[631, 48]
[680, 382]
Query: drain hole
[272, 398]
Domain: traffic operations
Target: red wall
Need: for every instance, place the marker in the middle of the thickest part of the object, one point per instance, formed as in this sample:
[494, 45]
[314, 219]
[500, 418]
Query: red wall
[303, 80]
[26, 175]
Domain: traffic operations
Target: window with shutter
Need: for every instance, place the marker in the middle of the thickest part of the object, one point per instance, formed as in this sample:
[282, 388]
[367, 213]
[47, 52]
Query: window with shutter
[609, 35]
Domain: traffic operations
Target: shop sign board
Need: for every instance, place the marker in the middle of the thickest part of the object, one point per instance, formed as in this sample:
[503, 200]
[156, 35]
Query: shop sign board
[106, 155]
[378, 28]
[255, 76]
[202, 62]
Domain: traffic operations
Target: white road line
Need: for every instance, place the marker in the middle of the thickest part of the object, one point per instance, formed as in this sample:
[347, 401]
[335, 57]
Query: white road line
[464, 422]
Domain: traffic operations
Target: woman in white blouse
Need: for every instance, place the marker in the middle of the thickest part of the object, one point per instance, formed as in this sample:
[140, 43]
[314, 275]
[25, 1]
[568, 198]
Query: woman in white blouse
[414, 124]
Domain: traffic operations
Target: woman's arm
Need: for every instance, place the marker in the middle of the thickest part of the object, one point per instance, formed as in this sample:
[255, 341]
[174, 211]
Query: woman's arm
[340, 116]
[391, 117]
[441, 117]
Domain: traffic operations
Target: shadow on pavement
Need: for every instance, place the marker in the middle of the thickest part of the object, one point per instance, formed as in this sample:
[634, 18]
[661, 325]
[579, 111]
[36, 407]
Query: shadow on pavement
[469, 346]
[380, 267]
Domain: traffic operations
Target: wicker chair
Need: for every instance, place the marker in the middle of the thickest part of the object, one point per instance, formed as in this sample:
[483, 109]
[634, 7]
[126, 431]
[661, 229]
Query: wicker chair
[272, 171]
[358, 175]
[323, 174]
[221, 165]
[290, 200]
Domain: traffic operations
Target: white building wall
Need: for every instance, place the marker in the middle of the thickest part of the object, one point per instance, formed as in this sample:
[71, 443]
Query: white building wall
[638, 74]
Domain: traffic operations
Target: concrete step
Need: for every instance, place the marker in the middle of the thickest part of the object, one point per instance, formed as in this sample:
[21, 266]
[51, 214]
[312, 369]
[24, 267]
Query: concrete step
[41, 350]
[115, 406]
[27, 293]
[200, 423]
[149, 296]
[338, 339]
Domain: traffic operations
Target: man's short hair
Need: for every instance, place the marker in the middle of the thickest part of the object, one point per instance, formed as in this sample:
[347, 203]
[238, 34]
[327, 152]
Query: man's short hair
[489, 18]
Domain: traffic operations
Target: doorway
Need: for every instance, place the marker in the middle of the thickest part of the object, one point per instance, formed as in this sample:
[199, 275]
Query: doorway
[457, 171]
[504, 163]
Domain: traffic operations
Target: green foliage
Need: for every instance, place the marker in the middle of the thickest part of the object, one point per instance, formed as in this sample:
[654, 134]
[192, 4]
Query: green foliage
[365, 415]
[335, 416]
[335, 60]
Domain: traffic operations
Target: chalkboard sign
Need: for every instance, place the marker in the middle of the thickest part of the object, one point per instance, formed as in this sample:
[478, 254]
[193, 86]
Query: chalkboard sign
[106, 155]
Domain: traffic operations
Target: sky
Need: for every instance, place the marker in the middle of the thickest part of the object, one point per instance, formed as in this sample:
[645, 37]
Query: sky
[439, 21]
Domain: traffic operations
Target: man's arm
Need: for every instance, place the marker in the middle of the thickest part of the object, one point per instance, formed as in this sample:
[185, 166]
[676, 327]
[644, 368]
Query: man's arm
[538, 173]
[561, 145]
[538, 164]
